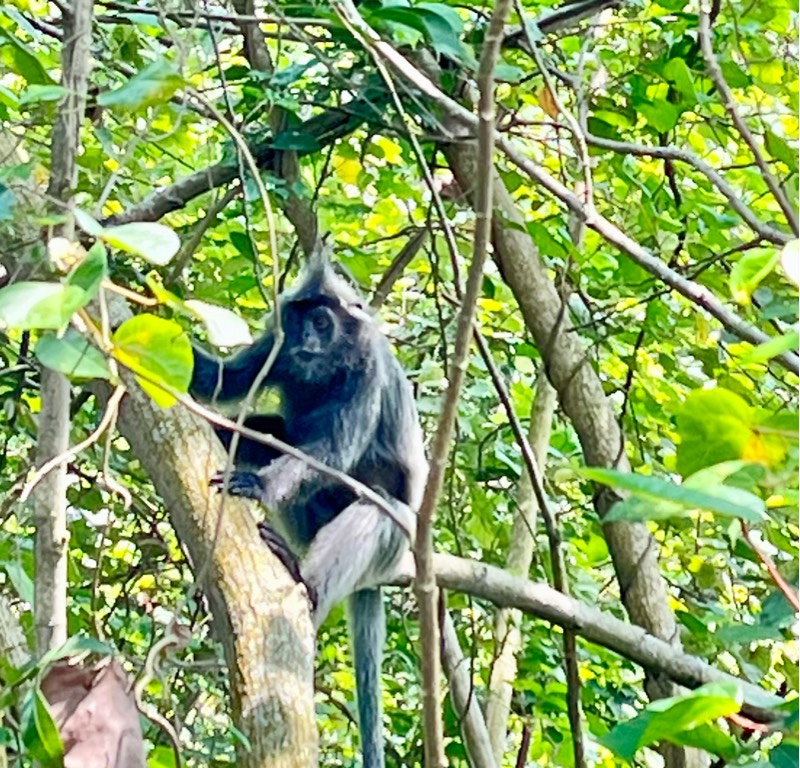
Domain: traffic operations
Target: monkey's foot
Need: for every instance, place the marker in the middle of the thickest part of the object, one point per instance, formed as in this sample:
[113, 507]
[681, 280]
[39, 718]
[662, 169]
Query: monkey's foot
[247, 484]
[281, 549]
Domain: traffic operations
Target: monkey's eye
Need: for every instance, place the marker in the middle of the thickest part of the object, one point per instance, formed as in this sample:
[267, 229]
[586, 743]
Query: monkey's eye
[321, 322]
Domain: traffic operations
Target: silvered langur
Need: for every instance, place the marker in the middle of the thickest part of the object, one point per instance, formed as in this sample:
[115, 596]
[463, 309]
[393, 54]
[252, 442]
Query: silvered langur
[346, 402]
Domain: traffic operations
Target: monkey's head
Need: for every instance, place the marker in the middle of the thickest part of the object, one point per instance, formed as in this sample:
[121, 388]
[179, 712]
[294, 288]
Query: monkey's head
[328, 330]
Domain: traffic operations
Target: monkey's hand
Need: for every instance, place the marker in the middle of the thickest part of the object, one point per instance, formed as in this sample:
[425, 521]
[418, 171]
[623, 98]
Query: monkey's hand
[281, 549]
[246, 484]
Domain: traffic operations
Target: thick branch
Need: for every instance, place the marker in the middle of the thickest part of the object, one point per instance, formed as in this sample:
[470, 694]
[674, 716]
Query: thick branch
[260, 615]
[499, 587]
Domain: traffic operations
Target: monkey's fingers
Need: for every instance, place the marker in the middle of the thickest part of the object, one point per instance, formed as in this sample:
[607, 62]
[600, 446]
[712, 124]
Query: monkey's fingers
[247, 484]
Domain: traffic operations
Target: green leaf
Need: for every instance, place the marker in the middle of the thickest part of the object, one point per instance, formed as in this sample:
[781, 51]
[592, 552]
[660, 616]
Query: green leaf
[159, 352]
[242, 243]
[39, 731]
[714, 425]
[35, 94]
[444, 27]
[73, 356]
[298, 141]
[781, 150]
[23, 584]
[680, 720]
[30, 305]
[440, 24]
[659, 114]
[679, 74]
[154, 242]
[788, 342]
[25, 61]
[723, 501]
[89, 274]
[161, 757]
[87, 223]
[785, 754]
[154, 84]
[225, 329]
[286, 76]
[748, 272]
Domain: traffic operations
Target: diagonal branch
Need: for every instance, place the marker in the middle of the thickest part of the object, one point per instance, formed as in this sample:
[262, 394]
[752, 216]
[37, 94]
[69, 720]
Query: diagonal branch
[322, 129]
[715, 73]
[488, 582]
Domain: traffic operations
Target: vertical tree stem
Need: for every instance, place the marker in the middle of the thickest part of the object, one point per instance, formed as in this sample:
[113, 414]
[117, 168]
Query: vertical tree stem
[50, 501]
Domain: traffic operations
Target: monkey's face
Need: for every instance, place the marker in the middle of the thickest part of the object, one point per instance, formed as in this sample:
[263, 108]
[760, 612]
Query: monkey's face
[323, 337]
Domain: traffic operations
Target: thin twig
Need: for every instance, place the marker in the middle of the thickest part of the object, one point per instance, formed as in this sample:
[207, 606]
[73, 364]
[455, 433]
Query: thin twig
[578, 134]
[68, 455]
[560, 581]
[718, 78]
[423, 550]
[788, 591]
[734, 198]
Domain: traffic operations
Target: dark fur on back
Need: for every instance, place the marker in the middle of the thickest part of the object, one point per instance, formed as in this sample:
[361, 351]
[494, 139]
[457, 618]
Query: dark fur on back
[346, 402]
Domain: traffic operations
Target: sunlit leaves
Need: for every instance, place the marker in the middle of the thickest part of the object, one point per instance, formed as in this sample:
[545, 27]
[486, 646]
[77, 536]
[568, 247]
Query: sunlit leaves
[89, 273]
[39, 731]
[23, 60]
[158, 352]
[73, 356]
[153, 84]
[29, 305]
[685, 720]
[225, 329]
[50, 305]
[717, 425]
[152, 241]
[748, 272]
[654, 498]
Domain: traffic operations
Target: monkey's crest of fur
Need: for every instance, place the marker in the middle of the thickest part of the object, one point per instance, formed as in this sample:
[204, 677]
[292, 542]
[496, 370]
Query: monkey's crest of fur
[319, 277]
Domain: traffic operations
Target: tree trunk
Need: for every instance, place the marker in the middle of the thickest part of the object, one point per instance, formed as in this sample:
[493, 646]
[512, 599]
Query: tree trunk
[633, 549]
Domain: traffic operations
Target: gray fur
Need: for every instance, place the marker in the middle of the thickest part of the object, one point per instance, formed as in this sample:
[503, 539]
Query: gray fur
[347, 403]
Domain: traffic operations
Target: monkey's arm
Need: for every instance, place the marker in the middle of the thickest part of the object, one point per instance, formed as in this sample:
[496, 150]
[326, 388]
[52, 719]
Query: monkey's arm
[230, 379]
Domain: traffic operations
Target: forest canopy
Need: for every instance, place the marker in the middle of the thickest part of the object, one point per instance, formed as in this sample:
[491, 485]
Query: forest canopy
[577, 225]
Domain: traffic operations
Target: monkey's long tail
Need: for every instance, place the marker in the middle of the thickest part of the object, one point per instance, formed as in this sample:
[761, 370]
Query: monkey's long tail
[368, 622]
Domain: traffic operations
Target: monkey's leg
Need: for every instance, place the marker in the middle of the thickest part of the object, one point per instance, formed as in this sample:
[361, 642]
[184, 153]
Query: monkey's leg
[359, 548]
[352, 555]
[281, 549]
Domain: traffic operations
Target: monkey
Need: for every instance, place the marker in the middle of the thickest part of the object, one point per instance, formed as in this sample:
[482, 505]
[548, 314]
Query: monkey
[346, 402]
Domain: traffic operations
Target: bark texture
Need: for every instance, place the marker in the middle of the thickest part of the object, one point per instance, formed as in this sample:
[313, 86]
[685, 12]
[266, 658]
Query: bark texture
[580, 392]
